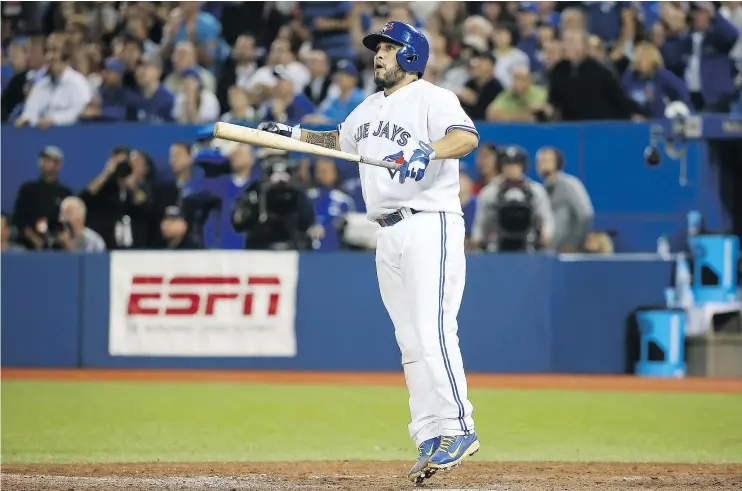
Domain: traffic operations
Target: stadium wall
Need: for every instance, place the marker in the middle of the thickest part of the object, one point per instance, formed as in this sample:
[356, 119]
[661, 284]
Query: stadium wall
[520, 314]
[608, 157]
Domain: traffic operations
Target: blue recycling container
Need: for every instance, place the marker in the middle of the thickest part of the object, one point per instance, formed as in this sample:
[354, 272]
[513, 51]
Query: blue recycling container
[715, 268]
[665, 329]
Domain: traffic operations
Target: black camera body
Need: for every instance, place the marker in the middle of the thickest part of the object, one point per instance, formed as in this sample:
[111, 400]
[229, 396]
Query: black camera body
[274, 211]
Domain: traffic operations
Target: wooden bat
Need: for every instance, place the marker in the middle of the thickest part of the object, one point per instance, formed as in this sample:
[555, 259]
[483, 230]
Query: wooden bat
[243, 134]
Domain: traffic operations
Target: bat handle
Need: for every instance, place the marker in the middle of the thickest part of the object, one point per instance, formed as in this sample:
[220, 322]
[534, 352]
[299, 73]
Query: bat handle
[379, 163]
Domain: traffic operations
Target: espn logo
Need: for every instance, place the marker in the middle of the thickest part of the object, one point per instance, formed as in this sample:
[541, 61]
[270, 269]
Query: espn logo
[200, 295]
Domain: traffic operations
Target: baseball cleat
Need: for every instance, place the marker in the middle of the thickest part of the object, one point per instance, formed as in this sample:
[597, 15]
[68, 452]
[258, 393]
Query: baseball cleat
[420, 470]
[453, 450]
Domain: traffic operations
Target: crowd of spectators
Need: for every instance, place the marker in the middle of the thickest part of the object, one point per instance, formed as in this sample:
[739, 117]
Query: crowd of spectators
[303, 62]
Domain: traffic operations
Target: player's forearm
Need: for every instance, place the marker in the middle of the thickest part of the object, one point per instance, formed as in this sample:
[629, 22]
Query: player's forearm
[327, 139]
[456, 144]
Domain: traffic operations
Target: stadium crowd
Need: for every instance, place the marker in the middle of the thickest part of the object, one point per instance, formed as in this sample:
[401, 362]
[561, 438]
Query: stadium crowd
[303, 63]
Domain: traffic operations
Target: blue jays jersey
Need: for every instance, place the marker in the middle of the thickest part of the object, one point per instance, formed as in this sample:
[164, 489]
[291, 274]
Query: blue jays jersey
[329, 206]
[390, 128]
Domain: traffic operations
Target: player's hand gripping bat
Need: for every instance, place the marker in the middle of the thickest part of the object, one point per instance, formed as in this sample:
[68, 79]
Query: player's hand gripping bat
[243, 134]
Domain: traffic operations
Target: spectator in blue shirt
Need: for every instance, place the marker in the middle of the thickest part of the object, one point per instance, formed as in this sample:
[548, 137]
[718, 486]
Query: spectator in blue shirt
[650, 85]
[219, 232]
[188, 23]
[285, 106]
[114, 102]
[329, 24]
[529, 42]
[709, 70]
[547, 14]
[606, 19]
[330, 205]
[155, 101]
[335, 109]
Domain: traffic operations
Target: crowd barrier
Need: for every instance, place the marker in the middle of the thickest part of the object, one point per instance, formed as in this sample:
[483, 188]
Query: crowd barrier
[637, 202]
[520, 313]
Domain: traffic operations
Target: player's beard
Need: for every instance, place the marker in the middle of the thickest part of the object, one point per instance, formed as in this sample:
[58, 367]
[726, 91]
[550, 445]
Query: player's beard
[391, 77]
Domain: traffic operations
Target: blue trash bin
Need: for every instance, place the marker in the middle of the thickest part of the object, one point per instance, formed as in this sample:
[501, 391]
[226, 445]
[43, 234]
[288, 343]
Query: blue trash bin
[715, 268]
[665, 329]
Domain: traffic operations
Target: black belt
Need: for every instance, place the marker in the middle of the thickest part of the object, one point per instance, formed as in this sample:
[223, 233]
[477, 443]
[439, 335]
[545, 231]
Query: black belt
[393, 218]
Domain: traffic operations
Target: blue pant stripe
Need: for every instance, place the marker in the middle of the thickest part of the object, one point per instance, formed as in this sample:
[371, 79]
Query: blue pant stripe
[441, 336]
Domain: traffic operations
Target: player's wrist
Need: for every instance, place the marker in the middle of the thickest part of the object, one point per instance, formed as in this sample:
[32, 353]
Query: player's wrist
[295, 132]
[428, 150]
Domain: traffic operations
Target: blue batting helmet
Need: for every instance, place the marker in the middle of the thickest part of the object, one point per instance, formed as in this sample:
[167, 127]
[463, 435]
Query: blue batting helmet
[413, 56]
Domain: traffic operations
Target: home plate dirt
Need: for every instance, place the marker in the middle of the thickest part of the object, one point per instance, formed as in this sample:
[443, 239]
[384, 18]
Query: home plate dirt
[367, 476]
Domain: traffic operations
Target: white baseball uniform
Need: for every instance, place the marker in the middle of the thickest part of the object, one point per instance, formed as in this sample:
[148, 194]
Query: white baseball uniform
[420, 260]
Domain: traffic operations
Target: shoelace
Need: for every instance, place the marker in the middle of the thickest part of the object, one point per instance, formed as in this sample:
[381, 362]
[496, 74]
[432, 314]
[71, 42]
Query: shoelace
[446, 442]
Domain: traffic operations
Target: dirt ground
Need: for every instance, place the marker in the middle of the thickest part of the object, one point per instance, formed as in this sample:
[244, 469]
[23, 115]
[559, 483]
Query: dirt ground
[367, 476]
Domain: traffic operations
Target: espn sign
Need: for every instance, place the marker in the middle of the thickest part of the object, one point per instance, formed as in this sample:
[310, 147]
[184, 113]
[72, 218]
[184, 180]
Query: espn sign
[203, 303]
[192, 295]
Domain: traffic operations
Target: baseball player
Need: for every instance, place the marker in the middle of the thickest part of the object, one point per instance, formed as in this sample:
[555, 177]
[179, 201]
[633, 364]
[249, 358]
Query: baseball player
[420, 260]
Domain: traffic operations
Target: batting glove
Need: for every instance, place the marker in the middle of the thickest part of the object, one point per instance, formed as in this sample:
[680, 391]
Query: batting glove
[415, 168]
[281, 129]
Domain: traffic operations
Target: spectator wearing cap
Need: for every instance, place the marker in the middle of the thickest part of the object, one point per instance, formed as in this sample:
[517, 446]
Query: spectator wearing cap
[335, 109]
[7, 239]
[329, 24]
[709, 71]
[155, 103]
[218, 230]
[482, 88]
[320, 83]
[74, 236]
[194, 104]
[188, 22]
[650, 85]
[240, 108]
[524, 102]
[184, 58]
[528, 35]
[508, 56]
[18, 86]
[36, 209]
[581, 88]
[238, 68]
[330, 206]
[285, 105]
[261, 84]
[114, 102]
[174, 229]
[61, 96]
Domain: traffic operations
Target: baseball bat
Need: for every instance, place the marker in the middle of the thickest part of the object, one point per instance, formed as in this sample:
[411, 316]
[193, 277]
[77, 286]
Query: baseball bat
[243, 134]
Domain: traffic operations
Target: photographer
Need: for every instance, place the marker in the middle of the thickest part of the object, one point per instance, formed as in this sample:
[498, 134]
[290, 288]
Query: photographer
[119, 199]
[36, 209]
[513, 211]
[274, 211]
[74, 235]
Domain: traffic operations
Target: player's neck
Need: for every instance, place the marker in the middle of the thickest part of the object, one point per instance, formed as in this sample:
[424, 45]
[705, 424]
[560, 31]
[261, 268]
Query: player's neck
[404, 82]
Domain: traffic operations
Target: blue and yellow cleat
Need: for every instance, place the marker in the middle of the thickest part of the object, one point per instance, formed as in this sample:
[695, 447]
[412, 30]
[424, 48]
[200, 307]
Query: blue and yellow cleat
[420, 470]
[453, 450]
